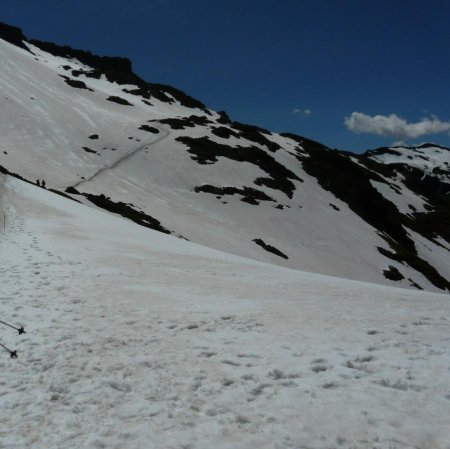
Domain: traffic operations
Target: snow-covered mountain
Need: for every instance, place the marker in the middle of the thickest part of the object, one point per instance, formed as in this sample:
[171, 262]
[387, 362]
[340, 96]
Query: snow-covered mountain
[137, 338]
[96, 132]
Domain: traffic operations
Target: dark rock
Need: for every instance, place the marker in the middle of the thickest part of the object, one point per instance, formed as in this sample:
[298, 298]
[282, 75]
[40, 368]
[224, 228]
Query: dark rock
[223, 118]
[393, 274]
[206, 151]
[311, 144]
[72, 190]
[110, 65]
[415, 284]
[383, 150]
[177, 123]
[224, 133]
[126, 211]
[432, 145]
[249, 194]
[141, 92]
[13, 35]
[185, 122]
[88, 150]
[163, 93]
[270, 248]
[76, 83]
[96, 74]
[402, 255]
[149, 129]
[256, 134]
[278, 183]
[5, 171]
[180, 96]
[63, 195]
[119, 100]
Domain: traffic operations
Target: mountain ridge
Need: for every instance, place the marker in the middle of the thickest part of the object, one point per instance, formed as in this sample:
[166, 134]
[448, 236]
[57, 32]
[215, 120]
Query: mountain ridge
[207, 162]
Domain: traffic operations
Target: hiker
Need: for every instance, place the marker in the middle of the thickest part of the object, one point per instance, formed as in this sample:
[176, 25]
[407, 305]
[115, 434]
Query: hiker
[38, 183]
[43, 184]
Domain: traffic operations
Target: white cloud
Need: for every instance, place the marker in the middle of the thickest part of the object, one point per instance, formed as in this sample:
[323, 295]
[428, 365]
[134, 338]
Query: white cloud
[303, 112]
[394, 126]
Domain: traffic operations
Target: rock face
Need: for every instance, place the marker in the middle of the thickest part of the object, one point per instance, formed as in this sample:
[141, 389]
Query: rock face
[13, 35]
[171, 163]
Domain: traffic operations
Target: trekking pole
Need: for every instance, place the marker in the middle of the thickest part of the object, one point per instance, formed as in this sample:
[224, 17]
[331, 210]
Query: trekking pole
[21, 330]
[13, 354]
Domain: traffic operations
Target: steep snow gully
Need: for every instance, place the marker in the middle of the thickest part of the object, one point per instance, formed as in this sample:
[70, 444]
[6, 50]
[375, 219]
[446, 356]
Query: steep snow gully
[125, 157]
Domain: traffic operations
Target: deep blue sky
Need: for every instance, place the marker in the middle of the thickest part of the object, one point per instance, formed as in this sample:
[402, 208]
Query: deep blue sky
[262, 59]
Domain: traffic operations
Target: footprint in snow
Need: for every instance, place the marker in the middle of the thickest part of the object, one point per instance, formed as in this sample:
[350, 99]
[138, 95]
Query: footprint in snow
[258, 391]
[230, 362]
[207, 354]
[320, 365]
[250, 356]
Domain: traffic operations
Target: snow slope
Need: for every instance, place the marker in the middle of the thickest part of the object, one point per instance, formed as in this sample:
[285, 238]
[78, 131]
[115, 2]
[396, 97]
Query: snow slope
[432, 159]
[210, 180]
[140, 340]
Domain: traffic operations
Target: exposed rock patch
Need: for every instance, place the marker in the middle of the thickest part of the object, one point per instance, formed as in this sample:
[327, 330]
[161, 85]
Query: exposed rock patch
[178, 123]
[205, 151]
[256, 134]
[393, 274]
[119, 100]
[149, 129]
[224, 133]
[270, 248]
[13, 35]
[125, 210]
[249, 195]
[88, 150]
[75, 83]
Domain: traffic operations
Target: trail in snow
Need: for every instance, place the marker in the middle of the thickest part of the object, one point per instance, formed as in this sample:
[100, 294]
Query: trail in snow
[124, 158]
[2, 203]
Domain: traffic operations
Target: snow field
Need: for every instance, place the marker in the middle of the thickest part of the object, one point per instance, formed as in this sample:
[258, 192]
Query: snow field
[140, 340]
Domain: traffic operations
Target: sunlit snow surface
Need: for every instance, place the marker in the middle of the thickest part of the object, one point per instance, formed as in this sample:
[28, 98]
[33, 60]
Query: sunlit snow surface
[138, 340]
